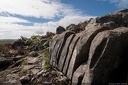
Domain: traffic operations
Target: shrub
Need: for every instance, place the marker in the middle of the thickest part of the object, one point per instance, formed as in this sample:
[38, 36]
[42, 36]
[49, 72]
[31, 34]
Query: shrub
[47, 66]
[24, 62]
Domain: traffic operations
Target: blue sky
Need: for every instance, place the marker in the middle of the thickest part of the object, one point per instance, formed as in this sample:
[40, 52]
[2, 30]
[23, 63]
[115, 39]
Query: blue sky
[30, 17]
[93, 7]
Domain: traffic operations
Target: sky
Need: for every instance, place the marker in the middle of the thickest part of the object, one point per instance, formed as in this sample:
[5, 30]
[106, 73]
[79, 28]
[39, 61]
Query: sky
[36, 17]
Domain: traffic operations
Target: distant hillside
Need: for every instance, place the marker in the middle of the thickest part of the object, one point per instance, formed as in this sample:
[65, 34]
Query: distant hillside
[5, 41]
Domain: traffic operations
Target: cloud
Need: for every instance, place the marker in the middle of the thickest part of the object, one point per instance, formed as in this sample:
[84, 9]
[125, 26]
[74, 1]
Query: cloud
[15, 30]
[56, 13]
[118, 3]
[47, 9]
[4, 19]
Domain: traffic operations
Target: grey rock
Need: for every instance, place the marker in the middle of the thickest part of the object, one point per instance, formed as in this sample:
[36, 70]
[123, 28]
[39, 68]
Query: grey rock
[79, 74]
[17, 63]
[69, 55]
[104, 55]
[32, 60]
[34, 71]
[42, 41]
[33, 54]
[18, 57]
[97, 54]
[58, 46]
[12, 79]
[71, 27]
[59, 30]
[81, 49]
[18, 43]
[25, 79]
[28, 67]
[64, 52]
[121, 11]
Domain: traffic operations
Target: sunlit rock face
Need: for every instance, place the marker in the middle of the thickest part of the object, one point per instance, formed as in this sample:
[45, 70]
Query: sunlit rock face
[97, 54]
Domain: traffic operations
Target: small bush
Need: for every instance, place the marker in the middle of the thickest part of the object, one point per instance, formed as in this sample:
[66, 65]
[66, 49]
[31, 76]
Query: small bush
[24, 62]
[35, 38]
[47, 66]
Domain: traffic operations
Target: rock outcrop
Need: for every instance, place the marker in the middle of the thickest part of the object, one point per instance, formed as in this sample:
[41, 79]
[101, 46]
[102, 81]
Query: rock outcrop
[59, 30]
[97, 54]
[93, 52]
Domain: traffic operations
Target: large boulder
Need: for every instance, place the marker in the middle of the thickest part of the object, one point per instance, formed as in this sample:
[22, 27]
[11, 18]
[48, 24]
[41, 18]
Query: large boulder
[57, 46]
[59, 30]
[18, 43]
[65, 51]
[96, 55]
[116, 19]
[77, 28]
[105, 56]
[69, 54]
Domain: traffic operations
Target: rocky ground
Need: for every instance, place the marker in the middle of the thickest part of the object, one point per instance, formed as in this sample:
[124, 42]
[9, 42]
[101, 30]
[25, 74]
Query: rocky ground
[26, 62]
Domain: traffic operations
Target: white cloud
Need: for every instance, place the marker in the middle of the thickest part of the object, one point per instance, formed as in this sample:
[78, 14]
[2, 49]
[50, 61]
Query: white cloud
[4, 19]
[118, 3]
[15, 30]
[36, 8]
[44, 9]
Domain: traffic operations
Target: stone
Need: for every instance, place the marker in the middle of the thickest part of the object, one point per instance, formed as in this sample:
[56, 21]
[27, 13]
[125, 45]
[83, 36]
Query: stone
[52, 44]
[103, 55]
[17, 63]
[81, 49]
[79, 74]
[35, 71]
[42, 41]
[121, 11]
[59, 30]
[95, 55]
[71, 27]
[58, 46]
[33, 54]
[18, 43]
[18, 57]
[24, 38]
[13, 79]
[118, 19]
[77, 28]
[28, 67]
[25, 79]
[69, 55]
[41, 72]
[32, 60]
[64, 52]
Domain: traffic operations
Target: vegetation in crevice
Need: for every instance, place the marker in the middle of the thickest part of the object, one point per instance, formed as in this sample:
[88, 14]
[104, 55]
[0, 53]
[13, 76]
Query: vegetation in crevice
[46, 66]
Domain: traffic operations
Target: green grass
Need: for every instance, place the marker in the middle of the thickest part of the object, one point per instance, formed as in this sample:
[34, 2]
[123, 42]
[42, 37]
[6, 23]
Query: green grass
[24, 62]
[47, 66]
